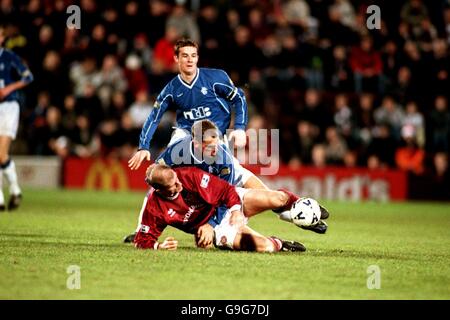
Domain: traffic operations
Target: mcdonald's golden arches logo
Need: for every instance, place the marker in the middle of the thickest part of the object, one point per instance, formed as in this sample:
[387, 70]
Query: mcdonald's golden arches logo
[106, 172]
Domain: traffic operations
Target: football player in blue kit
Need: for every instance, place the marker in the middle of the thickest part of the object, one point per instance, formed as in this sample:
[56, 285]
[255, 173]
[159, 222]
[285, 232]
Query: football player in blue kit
[196, 94]
[9, 118]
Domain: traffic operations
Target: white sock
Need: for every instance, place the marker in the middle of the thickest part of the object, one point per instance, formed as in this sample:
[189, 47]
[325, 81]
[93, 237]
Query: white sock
[11, 176]
[2, 198]
[285, 216]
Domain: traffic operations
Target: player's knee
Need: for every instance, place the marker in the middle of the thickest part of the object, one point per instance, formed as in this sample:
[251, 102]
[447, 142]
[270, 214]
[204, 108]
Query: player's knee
[278, 199]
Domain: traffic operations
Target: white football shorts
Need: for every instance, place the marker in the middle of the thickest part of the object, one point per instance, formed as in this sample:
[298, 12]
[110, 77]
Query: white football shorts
[9, 118]
[225, 233]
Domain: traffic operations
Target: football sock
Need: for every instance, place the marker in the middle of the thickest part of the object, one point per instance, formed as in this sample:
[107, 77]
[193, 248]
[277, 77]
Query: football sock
[291, 200]
[9, 172]
[2, 198]
[277, 244]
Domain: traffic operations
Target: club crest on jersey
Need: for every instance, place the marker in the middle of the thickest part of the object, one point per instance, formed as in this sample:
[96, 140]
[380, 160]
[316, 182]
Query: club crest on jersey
[225, 171]
[171, 212]
[204, 90]
[144, 228]
[205, 181]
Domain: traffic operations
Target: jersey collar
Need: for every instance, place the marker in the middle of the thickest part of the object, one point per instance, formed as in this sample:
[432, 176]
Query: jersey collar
[193, 81]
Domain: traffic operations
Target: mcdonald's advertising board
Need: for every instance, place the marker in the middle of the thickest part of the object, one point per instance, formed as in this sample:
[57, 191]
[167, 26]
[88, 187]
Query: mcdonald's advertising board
[102, 174]
[354, 184]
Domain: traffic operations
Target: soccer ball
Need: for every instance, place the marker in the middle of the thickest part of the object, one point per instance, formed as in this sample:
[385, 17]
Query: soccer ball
[305, 212]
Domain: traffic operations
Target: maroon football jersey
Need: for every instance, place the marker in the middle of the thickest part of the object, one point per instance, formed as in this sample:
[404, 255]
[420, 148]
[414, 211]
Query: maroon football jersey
[202, 193]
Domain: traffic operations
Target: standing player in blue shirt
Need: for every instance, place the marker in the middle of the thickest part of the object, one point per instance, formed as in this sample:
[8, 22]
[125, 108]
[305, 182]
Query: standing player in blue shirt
[196, 94]
[9, 119]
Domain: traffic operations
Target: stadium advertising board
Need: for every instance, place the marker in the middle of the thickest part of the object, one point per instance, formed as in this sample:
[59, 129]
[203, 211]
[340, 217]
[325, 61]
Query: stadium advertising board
[354, 184]
[38, 172]
[328, 183]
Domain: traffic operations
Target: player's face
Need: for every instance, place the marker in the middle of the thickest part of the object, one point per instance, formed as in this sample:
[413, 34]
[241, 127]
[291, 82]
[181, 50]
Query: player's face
[172, 185]
[187, 60]
[209, 146]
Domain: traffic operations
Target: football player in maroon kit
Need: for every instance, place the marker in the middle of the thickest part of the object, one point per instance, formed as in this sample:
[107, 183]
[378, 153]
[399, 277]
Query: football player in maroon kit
[186, 198]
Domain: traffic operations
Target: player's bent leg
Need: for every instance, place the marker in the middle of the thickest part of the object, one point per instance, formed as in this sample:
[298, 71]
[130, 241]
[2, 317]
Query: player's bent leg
[256, 201]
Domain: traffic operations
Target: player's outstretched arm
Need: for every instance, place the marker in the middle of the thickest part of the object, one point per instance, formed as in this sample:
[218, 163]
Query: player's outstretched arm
[136, 160]
[169, 244]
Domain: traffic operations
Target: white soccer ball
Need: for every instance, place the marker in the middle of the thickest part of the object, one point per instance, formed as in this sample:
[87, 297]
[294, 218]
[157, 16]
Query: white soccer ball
[305, 212]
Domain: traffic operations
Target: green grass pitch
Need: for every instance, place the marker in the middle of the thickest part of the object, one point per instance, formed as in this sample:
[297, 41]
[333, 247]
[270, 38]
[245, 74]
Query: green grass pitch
[409, 242]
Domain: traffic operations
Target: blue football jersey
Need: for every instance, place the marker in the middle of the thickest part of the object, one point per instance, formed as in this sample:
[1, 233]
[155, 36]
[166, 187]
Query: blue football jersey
[211, 95]
[182, 153]
[9, 61]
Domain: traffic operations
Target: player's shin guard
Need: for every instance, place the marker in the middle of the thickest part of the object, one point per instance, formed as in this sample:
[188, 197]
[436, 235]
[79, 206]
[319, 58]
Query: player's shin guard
[9, 171]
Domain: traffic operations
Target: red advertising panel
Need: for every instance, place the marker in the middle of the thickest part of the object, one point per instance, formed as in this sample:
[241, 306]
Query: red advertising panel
[327, 183]
[335, 183]
[102, 174]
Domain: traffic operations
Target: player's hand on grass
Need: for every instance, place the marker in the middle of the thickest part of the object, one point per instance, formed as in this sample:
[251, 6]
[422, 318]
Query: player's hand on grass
[239, 137]
[205, 236]
[136, 160]
[237, 218]
[169, 244]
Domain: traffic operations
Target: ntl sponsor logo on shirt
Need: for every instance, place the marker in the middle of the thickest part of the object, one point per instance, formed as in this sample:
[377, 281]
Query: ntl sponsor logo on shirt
[197, 113]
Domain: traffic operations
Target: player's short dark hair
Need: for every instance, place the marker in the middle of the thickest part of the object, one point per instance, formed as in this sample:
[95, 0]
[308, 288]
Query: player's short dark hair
[184, 43]
[199, 128]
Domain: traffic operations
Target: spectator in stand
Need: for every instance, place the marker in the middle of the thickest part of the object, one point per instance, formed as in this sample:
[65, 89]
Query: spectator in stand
[140, 109]
[318, 156]
[340, 74]
[414, 118]
[343, 118]
[83, 142]
[306, 141]
[365, 120]
[183, 22]
[383, 147]
[441, 67]
[410, 157]
[367, 67]
[82, 73]
[392, 114]
[164, 66]
[335, 147]
[314, 112]
[439, 124]
[109, 80]
[135, 75]
[447, 24]
[413, 12]
[441, 177]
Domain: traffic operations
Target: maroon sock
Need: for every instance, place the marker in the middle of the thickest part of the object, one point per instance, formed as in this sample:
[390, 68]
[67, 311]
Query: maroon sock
[276, 242]
[292, 198]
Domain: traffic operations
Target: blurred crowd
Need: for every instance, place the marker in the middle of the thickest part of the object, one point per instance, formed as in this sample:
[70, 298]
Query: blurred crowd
[340, 93]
